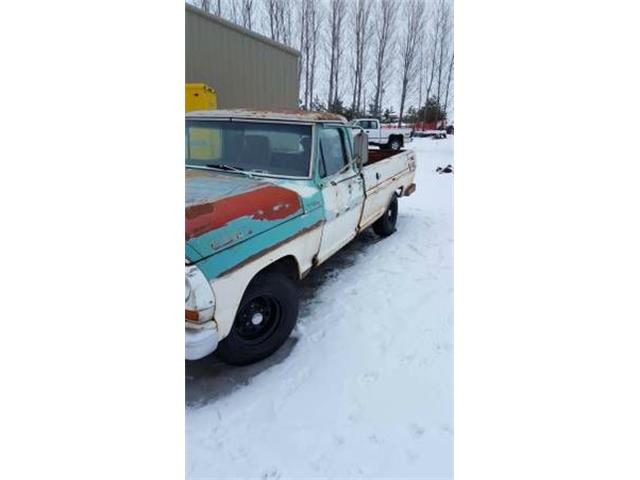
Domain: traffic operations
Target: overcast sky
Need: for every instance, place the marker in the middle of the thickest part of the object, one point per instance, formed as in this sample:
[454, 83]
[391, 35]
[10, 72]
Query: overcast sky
[391, 97]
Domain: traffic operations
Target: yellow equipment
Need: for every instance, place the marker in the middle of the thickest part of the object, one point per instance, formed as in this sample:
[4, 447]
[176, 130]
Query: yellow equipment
[200, 97]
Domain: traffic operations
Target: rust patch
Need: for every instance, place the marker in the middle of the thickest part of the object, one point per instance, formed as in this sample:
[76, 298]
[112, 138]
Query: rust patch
[268, 202]
[191, 315]
[267, 114]
[409, 190]
[194, 173]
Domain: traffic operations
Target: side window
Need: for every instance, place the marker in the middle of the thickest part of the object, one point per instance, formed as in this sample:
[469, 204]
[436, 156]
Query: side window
[348, 141]
[333, 156]
[372, 125]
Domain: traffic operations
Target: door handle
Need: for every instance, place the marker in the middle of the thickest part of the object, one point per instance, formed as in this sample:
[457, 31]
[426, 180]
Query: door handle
[377, 175]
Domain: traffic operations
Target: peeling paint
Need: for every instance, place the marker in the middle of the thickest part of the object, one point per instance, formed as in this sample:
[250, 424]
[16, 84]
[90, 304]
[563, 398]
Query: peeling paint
[267, 202]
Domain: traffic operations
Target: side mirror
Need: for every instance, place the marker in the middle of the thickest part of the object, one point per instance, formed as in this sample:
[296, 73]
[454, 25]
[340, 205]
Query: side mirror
[361, 147]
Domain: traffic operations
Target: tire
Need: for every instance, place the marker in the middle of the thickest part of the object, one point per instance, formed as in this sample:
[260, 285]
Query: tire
[386, 224]
[395, 144]
[271, 300]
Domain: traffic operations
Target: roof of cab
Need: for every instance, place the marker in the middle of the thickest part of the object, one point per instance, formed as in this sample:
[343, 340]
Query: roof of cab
[277, 114]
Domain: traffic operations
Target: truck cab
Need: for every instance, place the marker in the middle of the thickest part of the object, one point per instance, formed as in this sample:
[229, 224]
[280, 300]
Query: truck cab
[269, 196]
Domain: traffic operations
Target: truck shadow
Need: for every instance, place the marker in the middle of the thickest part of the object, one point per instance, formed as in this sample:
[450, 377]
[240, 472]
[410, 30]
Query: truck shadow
[208, 379]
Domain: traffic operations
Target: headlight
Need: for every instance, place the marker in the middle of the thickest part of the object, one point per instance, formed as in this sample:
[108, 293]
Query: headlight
[187, 289]
[199, 300]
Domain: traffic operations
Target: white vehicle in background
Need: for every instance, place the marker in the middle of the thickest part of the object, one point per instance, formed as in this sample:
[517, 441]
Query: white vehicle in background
[385, 138]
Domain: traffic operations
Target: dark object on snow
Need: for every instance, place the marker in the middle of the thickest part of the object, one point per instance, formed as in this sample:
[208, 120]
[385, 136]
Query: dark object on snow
[449, 129]
[447, 169]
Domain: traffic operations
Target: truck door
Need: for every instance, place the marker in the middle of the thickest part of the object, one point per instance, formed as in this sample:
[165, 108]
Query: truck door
[342, 190]
[371, 129]
[374, 130]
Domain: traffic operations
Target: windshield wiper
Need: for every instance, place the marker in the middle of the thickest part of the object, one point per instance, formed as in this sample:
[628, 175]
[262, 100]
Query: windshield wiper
[224, 166]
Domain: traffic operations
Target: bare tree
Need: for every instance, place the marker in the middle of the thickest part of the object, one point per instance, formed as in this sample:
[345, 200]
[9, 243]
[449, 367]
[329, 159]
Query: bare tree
[316, 13]
[337, 11]
[386, 11]
[302, 30]
[431, 53]
[247, 13]
[362, 32]
[443, 44]
[310, 22]
[278, 14]
[204, 5]
[413, 34]
[446, 96]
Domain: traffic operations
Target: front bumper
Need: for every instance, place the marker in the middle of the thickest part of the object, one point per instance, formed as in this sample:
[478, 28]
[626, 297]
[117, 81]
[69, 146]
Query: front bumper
[200, 342]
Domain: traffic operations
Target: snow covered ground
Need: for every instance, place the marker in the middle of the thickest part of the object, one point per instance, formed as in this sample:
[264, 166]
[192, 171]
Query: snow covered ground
[364, 387]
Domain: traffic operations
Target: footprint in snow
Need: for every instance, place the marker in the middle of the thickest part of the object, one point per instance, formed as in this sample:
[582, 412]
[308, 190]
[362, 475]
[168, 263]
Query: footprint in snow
[416, 430]
[369, 377]
[272, 473]
[408, 359]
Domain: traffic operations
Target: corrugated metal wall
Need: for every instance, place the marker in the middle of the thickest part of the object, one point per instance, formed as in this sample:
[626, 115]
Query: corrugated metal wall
[246, 69]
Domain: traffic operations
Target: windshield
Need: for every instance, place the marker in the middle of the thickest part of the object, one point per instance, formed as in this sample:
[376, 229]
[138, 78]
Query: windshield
[267, 148]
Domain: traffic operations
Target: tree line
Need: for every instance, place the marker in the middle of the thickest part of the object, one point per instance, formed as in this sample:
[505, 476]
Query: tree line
[358, 55]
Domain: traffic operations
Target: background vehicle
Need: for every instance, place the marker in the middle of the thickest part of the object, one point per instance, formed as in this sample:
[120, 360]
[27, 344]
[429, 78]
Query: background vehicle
[269, 196]
[387, 137]
[431, 129]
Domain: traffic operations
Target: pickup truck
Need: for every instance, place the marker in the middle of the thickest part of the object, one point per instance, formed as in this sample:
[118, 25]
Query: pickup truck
[269, 196]
[386, 137]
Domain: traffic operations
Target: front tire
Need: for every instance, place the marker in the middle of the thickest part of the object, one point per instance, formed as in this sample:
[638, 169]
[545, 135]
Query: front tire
[264, 320]
[386, 224]
[395, 144]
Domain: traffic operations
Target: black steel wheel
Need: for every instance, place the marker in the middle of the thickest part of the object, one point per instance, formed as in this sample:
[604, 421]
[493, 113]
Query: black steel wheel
[259, 319]
[395, 144]
[386, 224]
[267, 314]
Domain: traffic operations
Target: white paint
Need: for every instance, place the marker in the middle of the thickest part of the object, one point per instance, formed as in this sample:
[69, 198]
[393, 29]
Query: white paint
[382, 179]
[343, 196]
[377, 135]
[230, 288]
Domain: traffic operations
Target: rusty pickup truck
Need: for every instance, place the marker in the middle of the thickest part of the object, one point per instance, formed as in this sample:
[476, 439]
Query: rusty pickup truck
[269, 196]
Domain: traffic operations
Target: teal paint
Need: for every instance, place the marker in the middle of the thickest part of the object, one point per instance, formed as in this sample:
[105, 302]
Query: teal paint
[227, 259]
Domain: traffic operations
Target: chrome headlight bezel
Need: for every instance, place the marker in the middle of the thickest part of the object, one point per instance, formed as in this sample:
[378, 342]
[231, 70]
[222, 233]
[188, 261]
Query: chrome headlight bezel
[200, 301]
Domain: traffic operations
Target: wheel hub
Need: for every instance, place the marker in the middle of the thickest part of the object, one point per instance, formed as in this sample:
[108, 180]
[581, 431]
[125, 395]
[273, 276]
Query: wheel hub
[257, 318]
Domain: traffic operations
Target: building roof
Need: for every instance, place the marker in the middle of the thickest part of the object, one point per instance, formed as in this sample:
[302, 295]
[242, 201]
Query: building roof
[276, 114]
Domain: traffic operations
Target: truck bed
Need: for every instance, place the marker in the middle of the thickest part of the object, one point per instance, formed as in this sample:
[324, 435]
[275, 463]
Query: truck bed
[377, 155]
[385, 173]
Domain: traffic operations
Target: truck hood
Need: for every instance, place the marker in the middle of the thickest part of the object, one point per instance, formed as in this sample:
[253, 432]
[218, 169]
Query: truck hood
[222, 210]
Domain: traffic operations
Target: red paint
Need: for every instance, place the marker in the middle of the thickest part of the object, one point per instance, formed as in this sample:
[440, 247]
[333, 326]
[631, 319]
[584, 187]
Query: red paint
[265, 203]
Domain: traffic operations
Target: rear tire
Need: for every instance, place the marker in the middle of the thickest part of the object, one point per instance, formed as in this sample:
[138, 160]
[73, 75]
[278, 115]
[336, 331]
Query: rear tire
[386, 224]
[264, 320]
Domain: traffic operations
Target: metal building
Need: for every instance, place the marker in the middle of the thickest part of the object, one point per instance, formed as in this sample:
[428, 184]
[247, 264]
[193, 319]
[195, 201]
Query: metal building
[247, 70]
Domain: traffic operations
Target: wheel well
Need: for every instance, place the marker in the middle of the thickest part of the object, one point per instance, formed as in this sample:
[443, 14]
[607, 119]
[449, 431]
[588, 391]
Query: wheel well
[398, 137]
[286, 265]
